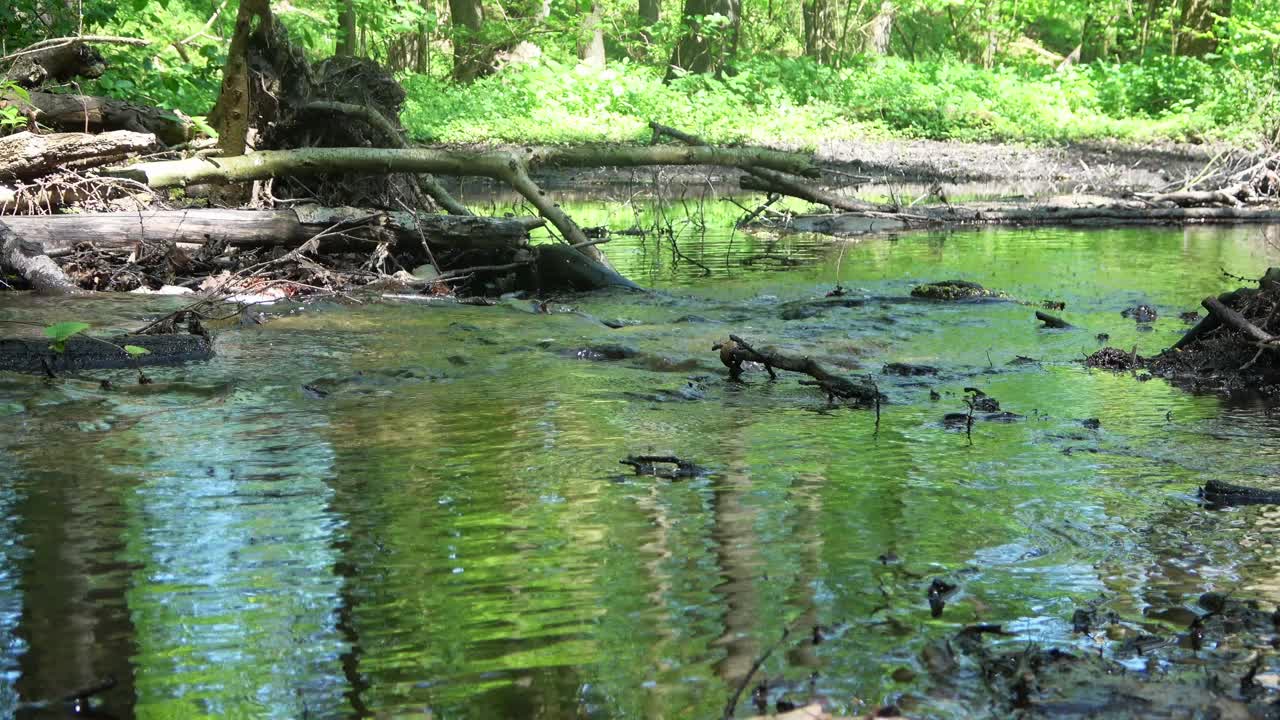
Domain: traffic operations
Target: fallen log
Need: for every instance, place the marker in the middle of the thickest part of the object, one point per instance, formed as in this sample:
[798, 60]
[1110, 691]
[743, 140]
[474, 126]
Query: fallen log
[26, 155]
[33, 355]
[737, 351]
[1216, 492]
[511, 166]
[1064, 213]
[1052, 321]
[768, 180]
[60, 234]
[29, 260]
[84, 113]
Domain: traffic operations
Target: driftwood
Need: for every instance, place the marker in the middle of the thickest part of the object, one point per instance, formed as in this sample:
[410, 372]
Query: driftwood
[60, 234]
[1237, 321]
[33, 355]
[27, 155]
[84, 113]
[737, 351]
[29, 260]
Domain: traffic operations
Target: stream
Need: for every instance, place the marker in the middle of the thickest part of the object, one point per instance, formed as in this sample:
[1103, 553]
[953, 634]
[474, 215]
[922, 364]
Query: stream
[416, 509]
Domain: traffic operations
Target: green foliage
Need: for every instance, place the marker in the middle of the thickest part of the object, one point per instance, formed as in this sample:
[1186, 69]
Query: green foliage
[795, 100]
[61, 332]
[135, 350]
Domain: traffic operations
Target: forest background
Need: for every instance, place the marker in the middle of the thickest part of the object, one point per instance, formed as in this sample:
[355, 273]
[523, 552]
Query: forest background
[790, 73]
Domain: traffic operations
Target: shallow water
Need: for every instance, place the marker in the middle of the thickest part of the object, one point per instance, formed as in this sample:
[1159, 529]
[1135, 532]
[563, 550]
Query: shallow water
[442, 524]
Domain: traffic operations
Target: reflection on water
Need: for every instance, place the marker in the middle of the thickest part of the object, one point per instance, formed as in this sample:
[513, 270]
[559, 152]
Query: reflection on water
[448, 530]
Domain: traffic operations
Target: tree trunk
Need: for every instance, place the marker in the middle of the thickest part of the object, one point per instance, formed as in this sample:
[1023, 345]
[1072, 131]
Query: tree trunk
[591, 47]
[650, 14]
[57, 235]
[25, 155]
[820, 30]
[230, 115]
[706, 45]
[880, 30]
[471, 57]
[346, 30]
[1194, 34]
[83, 113]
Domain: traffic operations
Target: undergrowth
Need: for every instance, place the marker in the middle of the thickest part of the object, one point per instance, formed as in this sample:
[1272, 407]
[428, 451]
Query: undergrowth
[797, 102]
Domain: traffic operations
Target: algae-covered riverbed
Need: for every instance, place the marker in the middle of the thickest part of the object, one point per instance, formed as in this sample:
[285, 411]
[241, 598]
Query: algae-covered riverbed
[437, 523]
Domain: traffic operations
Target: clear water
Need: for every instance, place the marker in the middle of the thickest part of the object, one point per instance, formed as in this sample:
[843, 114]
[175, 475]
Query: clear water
[450, 533]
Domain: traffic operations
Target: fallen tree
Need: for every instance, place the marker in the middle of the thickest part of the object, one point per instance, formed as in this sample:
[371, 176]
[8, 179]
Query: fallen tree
[89, 114]
[58, 235]
[33, 355]
[1068, 211]
[508, 165]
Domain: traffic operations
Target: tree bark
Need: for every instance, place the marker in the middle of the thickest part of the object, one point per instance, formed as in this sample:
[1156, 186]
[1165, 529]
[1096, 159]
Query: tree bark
[706, 46]
[820, 30]
[26, 155]
[1194, 34]
[650, 14]
[83, 113]
[231, 114]
[28, 260]
[57, 235]
[880, 30]
[591, 50]
[471, 57]
[346, 45]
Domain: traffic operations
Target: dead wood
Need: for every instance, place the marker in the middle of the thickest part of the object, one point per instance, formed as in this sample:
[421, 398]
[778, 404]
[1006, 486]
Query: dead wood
[1237, 321]
[60, 234]
[737, 351]
[33, 355]
[511, 166]
[1217, 492]
[772, 181]
[26, 155]
[88, 114]
[1052, 321]
[28, 260]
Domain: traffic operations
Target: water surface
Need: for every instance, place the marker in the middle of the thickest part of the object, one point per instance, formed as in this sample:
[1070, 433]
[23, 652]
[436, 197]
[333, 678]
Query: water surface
[440, 524]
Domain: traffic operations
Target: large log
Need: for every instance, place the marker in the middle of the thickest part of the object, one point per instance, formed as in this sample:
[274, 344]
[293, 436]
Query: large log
[32, 355]
[59, 234]
[26, 155]
[85, 113]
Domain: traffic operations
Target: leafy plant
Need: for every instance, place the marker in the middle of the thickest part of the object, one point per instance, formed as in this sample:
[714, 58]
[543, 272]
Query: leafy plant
[61, 332]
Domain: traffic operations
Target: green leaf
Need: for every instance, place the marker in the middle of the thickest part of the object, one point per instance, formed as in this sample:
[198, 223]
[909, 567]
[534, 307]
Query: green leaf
[60, 332]
[135, 351]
